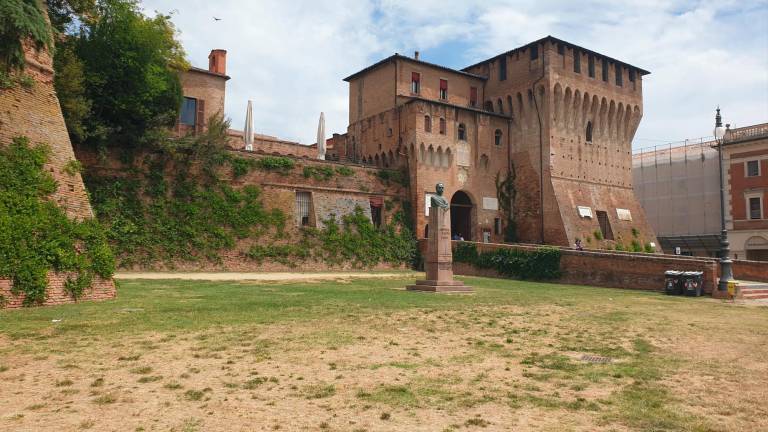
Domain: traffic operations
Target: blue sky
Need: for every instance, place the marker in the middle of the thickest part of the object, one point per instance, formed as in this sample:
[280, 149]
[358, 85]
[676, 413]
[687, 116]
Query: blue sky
[289, 57]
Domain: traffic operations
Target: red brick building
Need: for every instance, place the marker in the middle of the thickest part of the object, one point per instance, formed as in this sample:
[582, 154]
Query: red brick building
[745, 154]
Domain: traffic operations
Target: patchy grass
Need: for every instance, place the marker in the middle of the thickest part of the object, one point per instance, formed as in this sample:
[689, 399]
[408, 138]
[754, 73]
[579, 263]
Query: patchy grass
[373, 353]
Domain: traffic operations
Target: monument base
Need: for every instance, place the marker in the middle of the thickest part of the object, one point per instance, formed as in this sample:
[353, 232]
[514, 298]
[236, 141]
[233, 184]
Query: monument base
[440, 286]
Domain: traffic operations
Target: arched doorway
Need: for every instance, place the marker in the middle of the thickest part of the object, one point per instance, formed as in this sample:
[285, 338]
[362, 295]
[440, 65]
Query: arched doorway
[461, 215]
[757, 248]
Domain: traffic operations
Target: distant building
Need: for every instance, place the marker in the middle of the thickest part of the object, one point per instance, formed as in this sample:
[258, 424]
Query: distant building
[745, 153]
[679, 188]
[204, 91]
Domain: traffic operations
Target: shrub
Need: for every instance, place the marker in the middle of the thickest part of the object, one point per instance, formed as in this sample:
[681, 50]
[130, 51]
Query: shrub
[36, 236]
[635, 233]
[542, 263]
[321, 173]
[649, 248]
[388, 176]
[636, 246]
[279, 164]
[598, 235]
[345, 171]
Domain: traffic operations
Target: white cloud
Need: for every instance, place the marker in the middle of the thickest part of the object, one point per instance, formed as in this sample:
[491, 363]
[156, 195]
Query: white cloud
[290, 57]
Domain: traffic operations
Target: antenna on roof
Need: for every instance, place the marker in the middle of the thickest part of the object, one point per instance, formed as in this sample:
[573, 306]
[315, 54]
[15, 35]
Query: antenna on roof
[416, 55]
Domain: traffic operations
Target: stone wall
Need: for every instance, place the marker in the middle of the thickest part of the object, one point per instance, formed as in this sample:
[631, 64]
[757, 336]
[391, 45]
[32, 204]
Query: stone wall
[335, 197]
[35, 113]
[610, 269]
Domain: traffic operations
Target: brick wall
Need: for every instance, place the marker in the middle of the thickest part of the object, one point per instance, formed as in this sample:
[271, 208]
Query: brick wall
[610, 269]
[756, 271]
[36, 114]
[101, 289]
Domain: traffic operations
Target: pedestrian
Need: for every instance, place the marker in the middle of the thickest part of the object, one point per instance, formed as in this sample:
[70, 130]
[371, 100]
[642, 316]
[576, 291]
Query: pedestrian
[578, 245]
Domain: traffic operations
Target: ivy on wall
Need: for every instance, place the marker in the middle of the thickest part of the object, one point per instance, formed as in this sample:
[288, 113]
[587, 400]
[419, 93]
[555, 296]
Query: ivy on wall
[506, 194]
[36, 236]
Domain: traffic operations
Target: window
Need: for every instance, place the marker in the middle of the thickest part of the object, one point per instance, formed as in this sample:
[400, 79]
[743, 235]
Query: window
[462, 132]
[442, 126]
[591, 65]
[188, 111]
[632, 73]
[497, 226]
[588, 138]
[619, 72]
[376, 203]
[502, 68]
[303, 208]
[473, 96]
[497, 137]
[489, 106]
[427, 124]
[500, 104]
[534, 52]
[755, 208]
[753, 168]
[560, 49]
[576, 61]
[415, 82]
[605, 70]
[605, 225]
[443, 89]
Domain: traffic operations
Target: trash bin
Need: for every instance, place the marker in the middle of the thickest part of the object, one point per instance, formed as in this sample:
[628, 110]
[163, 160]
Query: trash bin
[693, 282]
[673, 283]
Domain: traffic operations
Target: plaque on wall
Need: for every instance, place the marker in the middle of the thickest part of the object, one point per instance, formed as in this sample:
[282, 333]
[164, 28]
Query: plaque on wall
[490, 203]
[623, 214]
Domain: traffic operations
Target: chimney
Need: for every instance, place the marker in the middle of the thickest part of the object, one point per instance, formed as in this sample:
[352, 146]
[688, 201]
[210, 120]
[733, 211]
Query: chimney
[217, 61]
[416, 55]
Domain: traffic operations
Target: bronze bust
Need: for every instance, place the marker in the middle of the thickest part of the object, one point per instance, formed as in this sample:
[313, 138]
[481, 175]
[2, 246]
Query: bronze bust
[438, 200]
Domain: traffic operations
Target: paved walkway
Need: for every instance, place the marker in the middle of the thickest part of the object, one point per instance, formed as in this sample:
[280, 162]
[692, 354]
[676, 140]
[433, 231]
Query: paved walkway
[263, 276]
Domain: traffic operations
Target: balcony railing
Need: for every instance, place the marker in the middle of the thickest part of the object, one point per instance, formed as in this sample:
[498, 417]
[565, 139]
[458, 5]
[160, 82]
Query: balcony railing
[746, 133]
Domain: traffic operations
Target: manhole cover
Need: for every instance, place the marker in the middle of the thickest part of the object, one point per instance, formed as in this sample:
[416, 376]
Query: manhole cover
[595, 359]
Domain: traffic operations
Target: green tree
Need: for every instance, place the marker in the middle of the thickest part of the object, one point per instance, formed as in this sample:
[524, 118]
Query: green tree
[131, 67]
[70, 87]
[21, 20]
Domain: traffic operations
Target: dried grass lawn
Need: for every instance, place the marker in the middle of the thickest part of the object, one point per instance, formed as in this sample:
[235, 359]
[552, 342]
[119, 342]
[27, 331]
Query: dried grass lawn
[365, 355]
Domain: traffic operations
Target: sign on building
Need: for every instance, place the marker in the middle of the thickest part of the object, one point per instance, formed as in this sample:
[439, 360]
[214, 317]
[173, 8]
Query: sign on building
[490, 203]
[623, 214]
[463, 154]
[585, 212]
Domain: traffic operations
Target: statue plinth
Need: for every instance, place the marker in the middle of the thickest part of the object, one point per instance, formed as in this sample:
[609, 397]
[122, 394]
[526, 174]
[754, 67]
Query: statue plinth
[439, 258]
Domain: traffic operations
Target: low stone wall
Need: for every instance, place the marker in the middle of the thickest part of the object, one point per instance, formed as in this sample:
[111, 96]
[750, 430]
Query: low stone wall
[101, 289]
[609, 269]
[756, 271]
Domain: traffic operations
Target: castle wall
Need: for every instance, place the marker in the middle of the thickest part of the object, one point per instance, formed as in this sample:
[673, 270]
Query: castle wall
[35, 113]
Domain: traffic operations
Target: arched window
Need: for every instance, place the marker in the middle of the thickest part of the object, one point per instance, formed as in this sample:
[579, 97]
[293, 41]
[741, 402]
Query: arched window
[589, 131]
[427, 124]
[462, 132]
[442, 126]
[489, 106]
[501, 106]
[497, 137]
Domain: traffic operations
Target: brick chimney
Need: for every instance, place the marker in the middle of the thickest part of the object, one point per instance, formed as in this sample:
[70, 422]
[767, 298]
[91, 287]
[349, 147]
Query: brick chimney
[217, 61]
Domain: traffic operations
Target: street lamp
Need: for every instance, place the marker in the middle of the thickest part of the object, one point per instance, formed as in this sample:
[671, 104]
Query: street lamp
[726, 271]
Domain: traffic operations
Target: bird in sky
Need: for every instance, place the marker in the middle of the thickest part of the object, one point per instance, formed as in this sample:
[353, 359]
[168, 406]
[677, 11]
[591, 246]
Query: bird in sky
[216, 19]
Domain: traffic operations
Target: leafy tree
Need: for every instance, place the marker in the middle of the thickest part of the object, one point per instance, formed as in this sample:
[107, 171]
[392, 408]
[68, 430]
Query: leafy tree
[21, 20]
[119, 82]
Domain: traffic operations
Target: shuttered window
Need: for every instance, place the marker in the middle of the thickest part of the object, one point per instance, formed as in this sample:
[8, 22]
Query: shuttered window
[473, 96]
[188, 111]
[415, 82]
[443, 89]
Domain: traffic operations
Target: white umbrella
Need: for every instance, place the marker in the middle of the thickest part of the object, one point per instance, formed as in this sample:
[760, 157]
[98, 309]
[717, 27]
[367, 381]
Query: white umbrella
[248, 130]
[321, 137]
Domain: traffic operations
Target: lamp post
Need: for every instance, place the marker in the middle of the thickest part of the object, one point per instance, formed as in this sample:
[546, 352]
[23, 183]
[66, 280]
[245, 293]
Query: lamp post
[726, 271]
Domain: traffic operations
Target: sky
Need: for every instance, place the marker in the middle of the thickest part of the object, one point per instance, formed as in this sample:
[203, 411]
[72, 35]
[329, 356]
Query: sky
[289, 57]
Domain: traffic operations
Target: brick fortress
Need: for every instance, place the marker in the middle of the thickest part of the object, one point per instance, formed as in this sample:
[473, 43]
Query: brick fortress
[559, 116]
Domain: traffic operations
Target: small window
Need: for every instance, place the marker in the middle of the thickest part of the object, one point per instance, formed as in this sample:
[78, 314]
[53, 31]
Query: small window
[188, 111]
[576, 61]
[502, 68]
[534, 52]
[561, 49]
[415, 82]
[442, 126]
[473, 96]
[605, 225]
[588, 137]
[632, 73]
[753, 168]
[462, 132]
[619, 78]
[497, 226]
[303, 208]
[489, 106]
[443, 89]
[497, 137]
[427, 124]
[755, 208]
[500, 104]
[605, 70]
[591, 65]
[376, 213]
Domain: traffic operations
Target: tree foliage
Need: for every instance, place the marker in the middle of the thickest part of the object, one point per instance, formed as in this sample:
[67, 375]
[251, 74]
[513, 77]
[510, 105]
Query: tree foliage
[21, 21]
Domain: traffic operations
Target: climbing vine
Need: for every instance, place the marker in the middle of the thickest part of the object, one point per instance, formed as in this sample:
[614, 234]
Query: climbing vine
[21, 21]
[539, 264]
[506, 194]
[36, 236]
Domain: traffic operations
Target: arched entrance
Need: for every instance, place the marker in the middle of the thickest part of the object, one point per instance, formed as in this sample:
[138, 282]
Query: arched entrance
[461, 215]
[757, 248]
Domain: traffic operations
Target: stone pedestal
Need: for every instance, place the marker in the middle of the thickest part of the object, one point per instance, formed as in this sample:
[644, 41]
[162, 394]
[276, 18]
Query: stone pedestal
[439, 258]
